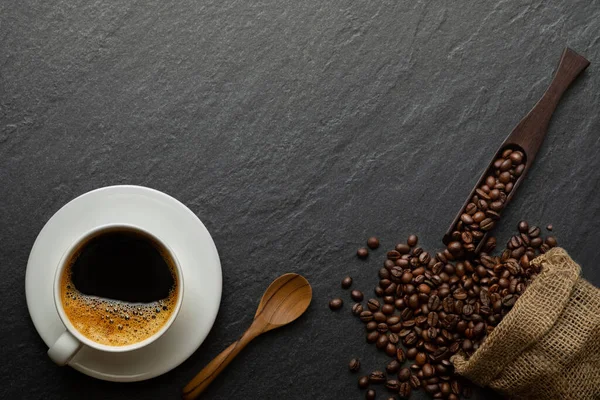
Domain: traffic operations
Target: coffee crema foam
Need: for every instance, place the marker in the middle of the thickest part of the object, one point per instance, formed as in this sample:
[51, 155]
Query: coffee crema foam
[114, 322]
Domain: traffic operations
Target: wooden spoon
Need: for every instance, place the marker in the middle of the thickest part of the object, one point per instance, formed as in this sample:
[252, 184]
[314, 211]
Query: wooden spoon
[284, 301]
[529, 134]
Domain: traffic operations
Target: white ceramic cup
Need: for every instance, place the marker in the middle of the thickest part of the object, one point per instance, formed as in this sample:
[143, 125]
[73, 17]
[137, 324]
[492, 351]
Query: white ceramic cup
[71, 341]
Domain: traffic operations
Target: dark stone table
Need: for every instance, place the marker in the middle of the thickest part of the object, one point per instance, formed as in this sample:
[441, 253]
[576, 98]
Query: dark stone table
[294, 130]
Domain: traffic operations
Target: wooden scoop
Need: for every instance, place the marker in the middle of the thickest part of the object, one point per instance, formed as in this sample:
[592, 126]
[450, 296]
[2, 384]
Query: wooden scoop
[529, 134]
[284, 301]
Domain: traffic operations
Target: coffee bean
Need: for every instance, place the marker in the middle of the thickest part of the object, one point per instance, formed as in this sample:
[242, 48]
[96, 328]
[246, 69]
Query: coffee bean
[363, 382]
[387, 309]
[382, 341]
[455, 247]
[404, 375]
[363, 252]
[534, 232]
[357, 308]
[370, 395]
[433, 303]
[373, 242]
[551, 241]
[346, 282]
[405, 389]
[335, 304]
[394, 338]
[379, 317]
[366, 316]
[549, 227]
[376, 377]
[392, 385]
[392, 367]
[402, 248]
[390, 349]
[372, 337]
[382, 327]
[373, 305]
[400, 356]
[357, 295]
[412, 240]
[354, 365]
[379, 291]
[487, 224]
[371, 326]
[414, 381]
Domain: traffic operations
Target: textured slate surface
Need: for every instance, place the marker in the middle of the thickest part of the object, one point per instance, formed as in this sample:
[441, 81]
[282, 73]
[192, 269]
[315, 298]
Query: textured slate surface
[294, 130]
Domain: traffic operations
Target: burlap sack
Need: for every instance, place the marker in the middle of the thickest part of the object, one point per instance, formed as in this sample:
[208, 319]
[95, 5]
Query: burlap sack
[548, 345]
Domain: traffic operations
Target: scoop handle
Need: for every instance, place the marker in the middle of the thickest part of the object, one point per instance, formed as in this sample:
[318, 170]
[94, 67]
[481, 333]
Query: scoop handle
[205, 377]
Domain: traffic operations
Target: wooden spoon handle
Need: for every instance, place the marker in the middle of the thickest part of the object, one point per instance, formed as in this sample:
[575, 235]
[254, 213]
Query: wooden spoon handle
[214, 368]
[530, 132]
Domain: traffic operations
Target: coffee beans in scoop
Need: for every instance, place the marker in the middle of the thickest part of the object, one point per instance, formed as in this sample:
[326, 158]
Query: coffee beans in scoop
[429, 307]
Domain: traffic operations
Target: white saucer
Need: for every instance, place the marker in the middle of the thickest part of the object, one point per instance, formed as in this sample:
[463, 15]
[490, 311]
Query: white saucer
[170, 220]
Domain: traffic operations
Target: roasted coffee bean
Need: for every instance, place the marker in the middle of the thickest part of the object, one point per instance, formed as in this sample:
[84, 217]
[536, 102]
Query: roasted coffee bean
[487, 224]
[405, 389]
[551, 241]
[459, 294]
[379, 317]
[385, 274]
[404, 375]
[387, 309]
[372, 337]
[363, 382]
[376, 377]
[354, 365]
[412, 240]
[346, 282]
[414, 381]
[382, 327]
[373, 242]
[394, 338]
[371, 326]
[509, 300]
[335, 304]
[400, 355]
[363, 252]
[392, 385]
[390, 349]
[357, 308]
[402, 248]
[366, 316]
[373, 305]
[393, 367]
[382, 342]
[433, 303]
[534, 232]
[370, 395]
[357, 295]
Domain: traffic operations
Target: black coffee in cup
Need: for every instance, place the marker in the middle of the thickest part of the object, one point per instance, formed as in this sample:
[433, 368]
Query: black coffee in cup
[119, 287]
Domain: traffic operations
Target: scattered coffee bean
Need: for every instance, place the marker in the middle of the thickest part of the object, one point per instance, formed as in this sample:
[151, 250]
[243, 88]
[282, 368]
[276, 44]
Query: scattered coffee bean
[363, 382]
[393, 367]
[356, 295]
[363, 252]
[357, 308]
[373, 242]
[412, 240]
[405, 389]
[376, 377]
[370, 395]
[336, 304]
[346, 282]
[373, 305]
[404, 374]
[354, 365]
[450, 302]
[392, 385]
[549, 227]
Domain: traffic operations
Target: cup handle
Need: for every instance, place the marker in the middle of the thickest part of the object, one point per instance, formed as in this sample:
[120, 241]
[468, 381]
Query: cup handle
[64, 349]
